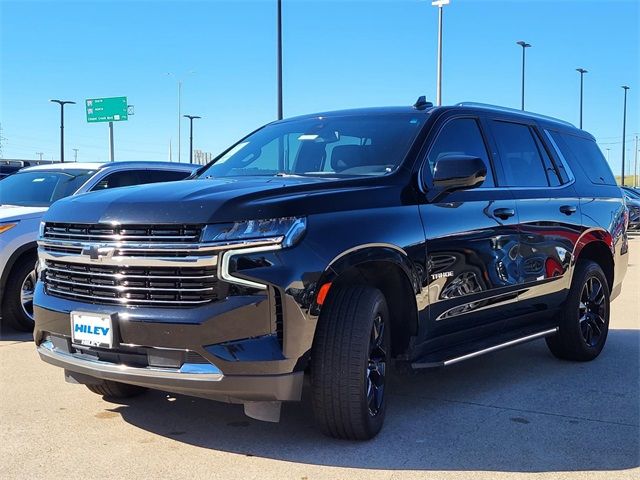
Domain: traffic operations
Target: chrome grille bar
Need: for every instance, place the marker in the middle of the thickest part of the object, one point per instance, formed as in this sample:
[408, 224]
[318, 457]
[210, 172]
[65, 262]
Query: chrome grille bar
[126, 288]
[125, 301]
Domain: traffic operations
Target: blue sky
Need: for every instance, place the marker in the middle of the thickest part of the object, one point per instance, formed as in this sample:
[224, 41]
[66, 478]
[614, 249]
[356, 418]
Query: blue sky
[337, 54]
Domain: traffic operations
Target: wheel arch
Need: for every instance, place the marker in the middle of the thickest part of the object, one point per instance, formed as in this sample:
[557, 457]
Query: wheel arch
[389, 269]
[597, 246]
[26, 249]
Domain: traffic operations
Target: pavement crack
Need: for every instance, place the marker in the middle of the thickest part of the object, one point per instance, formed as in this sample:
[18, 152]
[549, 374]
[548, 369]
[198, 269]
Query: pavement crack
[521, 410]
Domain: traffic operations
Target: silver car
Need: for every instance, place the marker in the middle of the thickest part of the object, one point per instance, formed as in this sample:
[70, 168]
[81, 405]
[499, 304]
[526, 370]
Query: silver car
[26, 195]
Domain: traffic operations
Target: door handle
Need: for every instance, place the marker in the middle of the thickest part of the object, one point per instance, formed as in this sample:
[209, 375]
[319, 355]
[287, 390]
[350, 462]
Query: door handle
[504, 213]
[568, 209]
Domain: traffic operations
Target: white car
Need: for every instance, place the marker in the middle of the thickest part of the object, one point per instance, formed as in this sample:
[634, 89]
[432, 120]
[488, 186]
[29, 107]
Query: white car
[26, 195]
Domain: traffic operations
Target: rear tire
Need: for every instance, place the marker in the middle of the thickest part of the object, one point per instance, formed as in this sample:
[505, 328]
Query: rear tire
[109, 389]
[349, 363]
[17, 299]
[583, 324]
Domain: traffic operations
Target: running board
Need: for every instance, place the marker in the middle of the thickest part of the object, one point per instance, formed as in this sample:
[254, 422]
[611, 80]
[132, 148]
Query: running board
[477, 353]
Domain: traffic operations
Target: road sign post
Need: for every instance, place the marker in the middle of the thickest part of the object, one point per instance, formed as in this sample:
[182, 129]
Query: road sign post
[113, 109]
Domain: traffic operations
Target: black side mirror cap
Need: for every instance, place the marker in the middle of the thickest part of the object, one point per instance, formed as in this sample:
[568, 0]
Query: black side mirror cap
[458, 172]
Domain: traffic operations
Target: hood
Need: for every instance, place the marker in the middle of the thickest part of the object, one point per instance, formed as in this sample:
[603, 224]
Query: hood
[222, 200]
[10, 213]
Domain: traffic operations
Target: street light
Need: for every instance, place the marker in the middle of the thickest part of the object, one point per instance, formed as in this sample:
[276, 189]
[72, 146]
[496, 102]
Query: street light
[191, 119]
[279, 58]
[624, 129]
[582, 71]
[524, 46]
[171, 74]
[440, 4]
[62, 103]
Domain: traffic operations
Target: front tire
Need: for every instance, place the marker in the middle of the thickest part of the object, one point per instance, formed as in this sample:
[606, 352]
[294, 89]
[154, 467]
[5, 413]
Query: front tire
[584, 321]
[349, 363]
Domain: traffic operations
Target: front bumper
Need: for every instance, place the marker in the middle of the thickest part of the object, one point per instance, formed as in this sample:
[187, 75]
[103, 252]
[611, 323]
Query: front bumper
[200, 380]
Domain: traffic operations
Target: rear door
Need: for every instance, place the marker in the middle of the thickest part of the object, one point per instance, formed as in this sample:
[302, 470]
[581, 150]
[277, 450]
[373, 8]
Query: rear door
[549, 214]
[472, 240]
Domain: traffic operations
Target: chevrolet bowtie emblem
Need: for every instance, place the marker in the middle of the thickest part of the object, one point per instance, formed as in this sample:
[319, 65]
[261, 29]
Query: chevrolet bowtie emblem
[98, 253]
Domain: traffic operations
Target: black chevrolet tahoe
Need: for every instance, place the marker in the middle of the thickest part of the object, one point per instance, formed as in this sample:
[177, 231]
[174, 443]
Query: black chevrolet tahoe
[331, 245]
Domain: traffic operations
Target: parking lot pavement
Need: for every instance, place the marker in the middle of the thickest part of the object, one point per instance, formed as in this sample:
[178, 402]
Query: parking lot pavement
[504, 415]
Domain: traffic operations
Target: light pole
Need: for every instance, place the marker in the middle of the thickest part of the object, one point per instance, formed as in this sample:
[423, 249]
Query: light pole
[179, 106]
[440, 4]
[62, 103]
[624, 129]
[279, 58]
[635, 165]
[582, 71]
[191, 119]
[524, 46]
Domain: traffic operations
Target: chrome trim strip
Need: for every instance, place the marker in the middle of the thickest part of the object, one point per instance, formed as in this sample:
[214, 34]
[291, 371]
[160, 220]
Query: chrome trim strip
[120, 276]
[90, 236]
[124, 288]
[223, 268]
[186, 261]
[516, 341]
[509, 297]
[188, 371]
[131, 301]
[162, 247]
[368, 245]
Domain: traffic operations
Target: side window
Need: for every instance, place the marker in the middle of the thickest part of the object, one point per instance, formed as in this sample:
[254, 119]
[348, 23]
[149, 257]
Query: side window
[461, 136]
[552, 173]
[156, 176]
[118, 179]
[521, 159]
[585, 152]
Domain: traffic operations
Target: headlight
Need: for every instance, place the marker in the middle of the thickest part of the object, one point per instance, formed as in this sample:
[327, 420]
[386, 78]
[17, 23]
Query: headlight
[288, 230]
[5, 227]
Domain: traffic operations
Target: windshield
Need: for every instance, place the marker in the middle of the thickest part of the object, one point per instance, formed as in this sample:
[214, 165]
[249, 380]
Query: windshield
[322, 146]
[41, 188]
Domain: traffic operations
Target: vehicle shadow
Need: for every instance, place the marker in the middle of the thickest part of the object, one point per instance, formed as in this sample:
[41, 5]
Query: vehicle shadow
[8, 334]
[519, 410]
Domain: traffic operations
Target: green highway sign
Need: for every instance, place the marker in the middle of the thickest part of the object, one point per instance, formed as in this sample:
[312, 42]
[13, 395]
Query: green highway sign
[112, 109]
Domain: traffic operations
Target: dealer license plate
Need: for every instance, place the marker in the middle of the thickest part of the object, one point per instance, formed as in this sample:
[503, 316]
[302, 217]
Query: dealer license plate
[91, 329]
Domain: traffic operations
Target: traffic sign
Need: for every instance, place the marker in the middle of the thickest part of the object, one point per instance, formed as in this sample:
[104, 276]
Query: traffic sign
[112, 109]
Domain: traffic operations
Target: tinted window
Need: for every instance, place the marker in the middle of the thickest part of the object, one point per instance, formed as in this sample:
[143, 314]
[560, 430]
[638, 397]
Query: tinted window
[352, 145]
[520, 156]
[461, 136]
[157, 176]
[124, 178]
[41, 188]
[552, 173]
[139, 177]
[585, 152]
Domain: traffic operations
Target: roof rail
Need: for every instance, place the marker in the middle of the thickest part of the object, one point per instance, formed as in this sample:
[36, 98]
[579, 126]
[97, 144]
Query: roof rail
[513, 110]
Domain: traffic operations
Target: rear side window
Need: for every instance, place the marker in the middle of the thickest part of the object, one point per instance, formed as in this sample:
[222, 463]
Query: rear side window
[461, 136]
[157, 176]
[124, 178]
[584, 152]
[520, 156]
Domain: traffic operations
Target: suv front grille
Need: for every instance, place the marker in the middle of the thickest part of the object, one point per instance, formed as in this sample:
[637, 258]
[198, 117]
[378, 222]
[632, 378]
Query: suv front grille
[123, 233]
[131, 286]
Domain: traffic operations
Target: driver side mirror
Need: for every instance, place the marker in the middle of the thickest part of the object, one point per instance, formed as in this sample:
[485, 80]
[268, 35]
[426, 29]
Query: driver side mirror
[458, 172]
